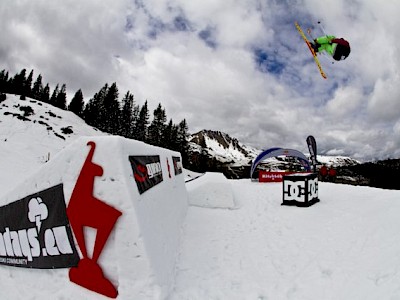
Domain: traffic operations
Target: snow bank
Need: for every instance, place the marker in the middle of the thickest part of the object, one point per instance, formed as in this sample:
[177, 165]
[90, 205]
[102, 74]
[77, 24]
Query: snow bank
[211, 190]
[140, 255]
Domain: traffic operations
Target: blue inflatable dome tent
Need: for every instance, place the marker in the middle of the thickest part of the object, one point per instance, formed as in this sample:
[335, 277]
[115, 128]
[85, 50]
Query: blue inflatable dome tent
[273, 152]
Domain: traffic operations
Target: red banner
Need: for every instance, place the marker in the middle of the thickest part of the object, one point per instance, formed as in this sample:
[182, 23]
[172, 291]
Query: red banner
[267, 176]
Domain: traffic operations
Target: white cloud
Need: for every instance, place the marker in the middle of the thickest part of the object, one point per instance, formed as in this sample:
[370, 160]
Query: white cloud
[346, 101]
[384, 104]
[198, 59]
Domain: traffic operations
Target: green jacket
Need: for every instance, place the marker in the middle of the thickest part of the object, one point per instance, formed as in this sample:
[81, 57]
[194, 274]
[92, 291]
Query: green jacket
[326, 44]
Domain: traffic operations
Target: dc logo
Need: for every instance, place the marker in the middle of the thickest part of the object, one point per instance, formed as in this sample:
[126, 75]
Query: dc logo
[294, 190]
[300, 190]
[313, 188]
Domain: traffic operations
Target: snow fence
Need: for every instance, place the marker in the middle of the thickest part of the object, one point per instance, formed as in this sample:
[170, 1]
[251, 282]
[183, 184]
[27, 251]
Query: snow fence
[140, 253]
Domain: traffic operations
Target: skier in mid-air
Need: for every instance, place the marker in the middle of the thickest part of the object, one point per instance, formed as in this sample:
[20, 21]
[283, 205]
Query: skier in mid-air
[338, 48]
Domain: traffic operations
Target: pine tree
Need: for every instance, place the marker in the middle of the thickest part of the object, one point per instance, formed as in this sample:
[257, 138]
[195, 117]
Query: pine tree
[112, 111]
[76, 105]
[169, 137]
[135, 116]
[142, 123]
[27, 86]
[45, 96]
[61, 98]
[53, 98]
[3, 81]
[127, 115]
[157, 126]
[90, 112]
[182, 141]
[17, 83]
[37, 89]
[94, 112]
[2, 75]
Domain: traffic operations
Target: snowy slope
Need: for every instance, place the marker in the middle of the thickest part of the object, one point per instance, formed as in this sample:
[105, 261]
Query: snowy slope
[345, 247]
[33, 139]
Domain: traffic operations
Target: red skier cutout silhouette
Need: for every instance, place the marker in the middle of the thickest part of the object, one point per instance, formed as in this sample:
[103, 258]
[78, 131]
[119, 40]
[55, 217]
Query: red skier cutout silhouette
[169, 169]
[86, 210]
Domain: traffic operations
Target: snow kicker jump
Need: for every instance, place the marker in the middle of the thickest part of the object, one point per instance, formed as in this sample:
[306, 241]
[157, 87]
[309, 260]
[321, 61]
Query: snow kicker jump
[105, 214]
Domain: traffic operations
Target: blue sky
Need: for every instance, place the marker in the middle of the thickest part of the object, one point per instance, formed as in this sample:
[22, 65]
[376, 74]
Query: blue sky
[235, 66]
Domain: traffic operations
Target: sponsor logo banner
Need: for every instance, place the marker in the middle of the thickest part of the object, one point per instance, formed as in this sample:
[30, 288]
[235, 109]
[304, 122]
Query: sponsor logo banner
[271, 176]
[177, 165]
[35, 232]
[147, 171]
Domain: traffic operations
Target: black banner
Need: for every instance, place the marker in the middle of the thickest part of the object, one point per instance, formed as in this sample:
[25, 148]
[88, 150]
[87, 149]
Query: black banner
[177, 165]
[35, 232]
[147, 171]
[312, 147]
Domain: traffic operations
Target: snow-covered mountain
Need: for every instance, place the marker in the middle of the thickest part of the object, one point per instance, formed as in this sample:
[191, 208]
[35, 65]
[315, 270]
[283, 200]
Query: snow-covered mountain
[229, 151]
[222, 147]
[337, 161]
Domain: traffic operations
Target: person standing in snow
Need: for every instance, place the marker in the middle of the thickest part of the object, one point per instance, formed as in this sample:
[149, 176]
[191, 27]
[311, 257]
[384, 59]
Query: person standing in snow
[323, 173]
[332, 174]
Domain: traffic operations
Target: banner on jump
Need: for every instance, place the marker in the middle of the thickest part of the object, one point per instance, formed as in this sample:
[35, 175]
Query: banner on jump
[35, 232]
[177, 165]
[147, 171]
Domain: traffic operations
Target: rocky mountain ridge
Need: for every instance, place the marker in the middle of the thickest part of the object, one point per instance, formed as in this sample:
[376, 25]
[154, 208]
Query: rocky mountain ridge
[217, 151]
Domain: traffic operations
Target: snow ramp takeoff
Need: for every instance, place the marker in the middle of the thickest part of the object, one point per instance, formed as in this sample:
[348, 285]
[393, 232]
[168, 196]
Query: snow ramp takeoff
[103, 217]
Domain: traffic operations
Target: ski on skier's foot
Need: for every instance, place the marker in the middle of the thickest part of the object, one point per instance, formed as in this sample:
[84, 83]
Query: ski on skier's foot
[314, 54]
